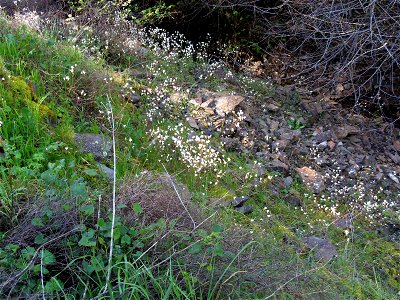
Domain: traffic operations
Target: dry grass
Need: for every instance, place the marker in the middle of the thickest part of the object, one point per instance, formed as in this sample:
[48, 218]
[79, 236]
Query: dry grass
[157, 197]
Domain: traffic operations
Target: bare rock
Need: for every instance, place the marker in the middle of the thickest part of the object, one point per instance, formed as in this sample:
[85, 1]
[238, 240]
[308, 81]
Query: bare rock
[331, 145]
[292, 135]
[293, 200]
[244, 209]
[396, 145]
[97, 144]
[108, 172]
[288, 181]
[272, 107]
[345, 222]
[232, 144]
[393, 177]
[224, 104]
[395, 157]
[273, 125]
[238, 201]
[280, 144]
[312, 179]
[193, 123]
[344, 131]
[323, 136]
[278, 166]
[135, 98]
[324, 250]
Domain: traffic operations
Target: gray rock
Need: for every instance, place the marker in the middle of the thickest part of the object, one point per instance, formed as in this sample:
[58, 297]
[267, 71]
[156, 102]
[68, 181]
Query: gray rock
[238, 201]
[312, 179]
[272, 107]
[396, 145]
[393, 177]
[218, 203]
[136, 98]
[378, 176]
[288, 181]
[293, 200]
[292, 135]
[280, 144]
[343, 131]
[395, 157]
[97, 144]
[193, 123]
[323, 145]
[278, 166]
[324, 250]
[322, 161]
[323, 137]
[244, 209]
[345, 222]
[106, 170]
[224, 104]
[352, 171]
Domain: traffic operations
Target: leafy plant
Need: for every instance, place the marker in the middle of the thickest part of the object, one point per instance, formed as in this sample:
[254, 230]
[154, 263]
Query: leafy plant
[296, 124]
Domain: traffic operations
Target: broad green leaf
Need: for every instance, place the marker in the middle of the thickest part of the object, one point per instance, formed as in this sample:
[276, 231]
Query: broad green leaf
[48, 258]
[28, 252]
[87, 209]
[40, 239]
[88, 268]
[126, 239]
[218, 250]
[137, 208]
[78, 189]
[87, 239]
[217, 228]
[90, 172]
[37, 222]
[196, 248]
[137, 244]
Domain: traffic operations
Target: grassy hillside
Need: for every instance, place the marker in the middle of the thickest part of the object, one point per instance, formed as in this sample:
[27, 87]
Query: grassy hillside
[166, 217]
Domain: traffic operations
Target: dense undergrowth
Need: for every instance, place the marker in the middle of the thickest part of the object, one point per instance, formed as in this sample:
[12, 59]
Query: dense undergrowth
[58, 80]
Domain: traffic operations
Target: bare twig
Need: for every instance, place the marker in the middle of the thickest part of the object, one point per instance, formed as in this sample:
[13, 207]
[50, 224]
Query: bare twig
[111, 115]
[41, 274]
[28, 265]
[179, 197]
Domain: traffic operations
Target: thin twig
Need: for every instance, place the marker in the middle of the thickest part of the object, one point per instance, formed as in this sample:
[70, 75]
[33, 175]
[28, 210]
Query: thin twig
[113, 195]
[2, 285]
[98, 210]
[179, 197]
[41, 274]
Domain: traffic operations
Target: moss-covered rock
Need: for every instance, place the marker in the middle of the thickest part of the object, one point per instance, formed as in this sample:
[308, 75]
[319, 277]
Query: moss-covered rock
[21, 94]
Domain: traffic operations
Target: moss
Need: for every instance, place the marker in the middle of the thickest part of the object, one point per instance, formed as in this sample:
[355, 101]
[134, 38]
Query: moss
[221, 191]
[22, 95]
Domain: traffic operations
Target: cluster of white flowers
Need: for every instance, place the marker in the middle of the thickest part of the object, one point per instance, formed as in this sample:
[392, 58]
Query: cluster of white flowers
[30, 19]
[363, 199]
[195, 151]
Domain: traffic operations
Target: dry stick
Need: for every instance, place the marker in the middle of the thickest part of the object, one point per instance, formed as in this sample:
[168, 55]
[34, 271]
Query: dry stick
[179, 197]
[34, 257]
[98, 210]
[41, 274]
[113, 197]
